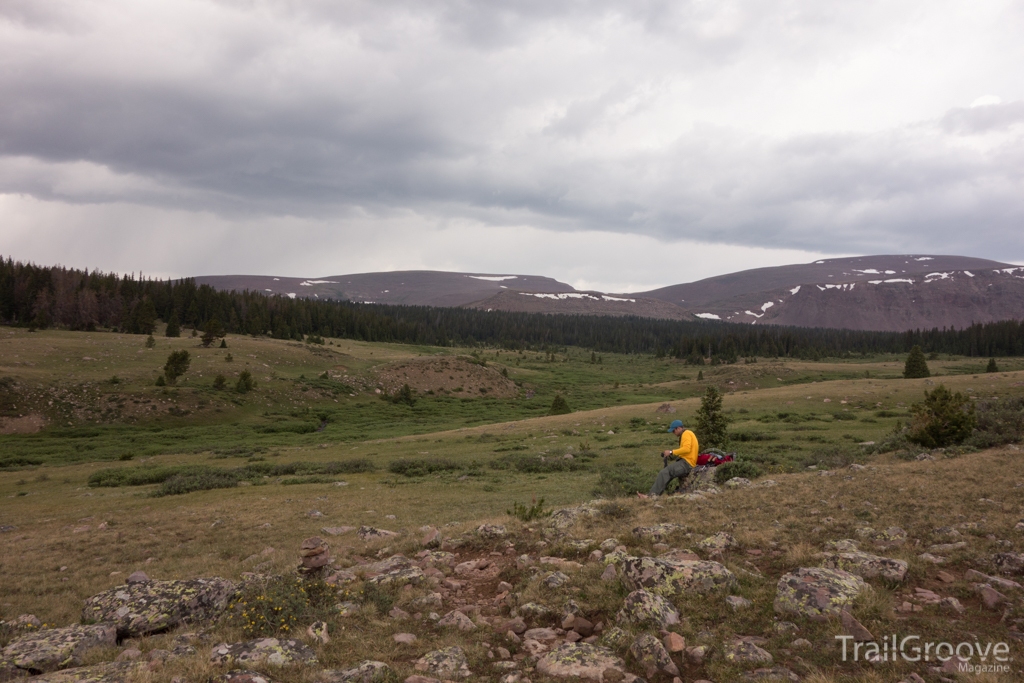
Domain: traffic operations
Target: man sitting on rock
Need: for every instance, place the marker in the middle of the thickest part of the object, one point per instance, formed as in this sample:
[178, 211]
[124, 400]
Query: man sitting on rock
[679, 462]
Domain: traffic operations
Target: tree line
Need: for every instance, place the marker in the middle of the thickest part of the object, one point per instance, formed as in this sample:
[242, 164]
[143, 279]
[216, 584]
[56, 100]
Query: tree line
[41, 297]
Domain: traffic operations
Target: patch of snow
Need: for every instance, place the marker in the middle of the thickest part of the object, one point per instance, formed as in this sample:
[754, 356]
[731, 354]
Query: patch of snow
[502, 287]
[707, 316]
[892, 272]
[925, 258]
[276, 279]
[561, 295]
[387, 291]
[795, 290]
[753, 314]
[968, 273]
[823, 288]
[492, 278]
[612, 298]
[766, 305]
[867, 271]
[310, 283]
[908, 281]
[819, 262]
[874, 282]
[291, 295]
[1010, 271]
[270, 290]
[932, 277]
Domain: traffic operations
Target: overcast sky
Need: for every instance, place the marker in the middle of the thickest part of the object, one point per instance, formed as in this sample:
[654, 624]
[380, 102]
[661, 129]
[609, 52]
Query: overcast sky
[612, 145]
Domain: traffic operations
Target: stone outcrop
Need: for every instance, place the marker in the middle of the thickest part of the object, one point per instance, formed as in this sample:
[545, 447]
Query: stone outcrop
[651, 655]
[817, 592]
[447, 663]
[142, 608]
[643, 608]
[583, 661]
[672, 577]
[58, 648]
[867, 565]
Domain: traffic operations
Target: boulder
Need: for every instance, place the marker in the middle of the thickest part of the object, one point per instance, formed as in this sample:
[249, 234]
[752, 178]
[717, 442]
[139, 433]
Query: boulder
[717, 543]
[535, 612]
[367, 671]
[673, 577]
[742, 651]
[141, 608]
[243, 676]
[491, 531]
[447, 663]
[643, 608]
[652, 656]
[456, 619]
[397, 578]
[1011, 564]
[52, 649]
[845, 545]
[369, 533]
[386, 565]
[110, 672]
[817, 592]
[583, 661]
[9, 672]
[738, 483]
[555, 580]
[867, 565]
[268, 650]
[775, 673]
[657, 532]
[892, 537]
[566, 517]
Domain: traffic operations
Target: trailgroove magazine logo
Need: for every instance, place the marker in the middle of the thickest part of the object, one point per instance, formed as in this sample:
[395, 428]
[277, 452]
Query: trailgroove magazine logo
[973, 657]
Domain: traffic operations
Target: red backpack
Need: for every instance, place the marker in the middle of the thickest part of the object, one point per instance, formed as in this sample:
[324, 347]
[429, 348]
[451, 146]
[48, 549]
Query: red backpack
[714, 458]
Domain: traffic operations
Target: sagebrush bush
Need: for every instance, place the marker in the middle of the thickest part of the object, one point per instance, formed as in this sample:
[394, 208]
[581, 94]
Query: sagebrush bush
[737, 468]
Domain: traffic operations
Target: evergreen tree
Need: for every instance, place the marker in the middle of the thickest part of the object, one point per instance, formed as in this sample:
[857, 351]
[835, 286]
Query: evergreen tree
[992, 367]
[150, 342]
[211, 331]
[711, 421]
[942, 419]
[916, 366]
[559, 406]
[245, 383]
[176, 365]
[173, 327]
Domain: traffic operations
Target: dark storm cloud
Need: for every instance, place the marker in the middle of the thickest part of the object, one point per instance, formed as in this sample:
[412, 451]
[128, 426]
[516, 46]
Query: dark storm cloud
[704, 121]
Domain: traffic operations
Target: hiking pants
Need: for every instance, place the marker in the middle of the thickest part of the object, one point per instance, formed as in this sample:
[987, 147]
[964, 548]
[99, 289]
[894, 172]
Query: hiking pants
[675, 469]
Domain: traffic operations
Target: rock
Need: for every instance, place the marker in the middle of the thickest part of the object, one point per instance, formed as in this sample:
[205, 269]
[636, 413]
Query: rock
[946, 577]
[397, 578]
[1005, 584]
[669, 577]
[561, 563]
[614, 637]
[386, 565]
[437, 558]
[674, 642]
[398, 613]
[852, 627]
[268, 650]
[140, 608]
[737, 603]
[369, 533]
[583, 626]
[404, 638]
[555, 579]
[609, 544]
[421, 679]
[845, 545]
[446, 663]
[952, 604]
[643, 608]
[315, 553]
[775, 673]
[111, 672]
[431, 538]
[742, 651]
[243, 676]
[738, 482]
[785, 627]
[491, 531]
[696, 654]
[678, 555]
[1011, 564]
[583, 661]
[817, 592]
[541, 635]
[665, 408]
[566, 517]
[128, 655]
[347, 609]
[58, 648]
[337, 530]
[718, 543]
[934, 559]
[990, 596]
[652, 656]
[890, 538]
[137, 577]
[535, 612]
[430, 601]
[517, 626]
[947, 547]
[867, 565]
[800, 643]
[609, 573]
[657, 532]
[317, 631]
[456, 619]
[366, 671]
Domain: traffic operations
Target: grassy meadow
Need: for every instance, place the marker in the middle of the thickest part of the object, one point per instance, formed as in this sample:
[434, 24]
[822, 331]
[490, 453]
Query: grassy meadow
[88, 443]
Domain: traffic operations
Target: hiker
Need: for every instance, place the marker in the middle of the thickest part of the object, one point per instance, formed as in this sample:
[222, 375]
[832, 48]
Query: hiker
[678, 462]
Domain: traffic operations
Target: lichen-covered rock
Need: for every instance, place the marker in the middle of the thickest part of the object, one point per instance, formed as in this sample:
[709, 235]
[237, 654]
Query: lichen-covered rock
[491, 531]
[583, 661]
[1011, 564]
[110, 672]
[643, 608]
[845, 545]
[535, 612]
[817, 592]
[737, 483]
[566, 517]
[397, 578]
[437, 558]
[739, 651]
[367, 671]
[141, 608]
[718, 542]
[243, 676]
[892, 537]
[614, 637]
[369, 533]
[387, 565]
[446, 663]
[775, 673]
[867, 565]
[58, 648]
[615, 557]
[673, 577]
[269, 650]
[456, 619]
[555, 580]
[652, 656]
[9, 672]
[657, 532]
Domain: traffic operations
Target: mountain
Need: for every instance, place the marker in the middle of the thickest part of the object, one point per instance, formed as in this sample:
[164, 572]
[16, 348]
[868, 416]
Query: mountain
[886, 293]
[892, 293]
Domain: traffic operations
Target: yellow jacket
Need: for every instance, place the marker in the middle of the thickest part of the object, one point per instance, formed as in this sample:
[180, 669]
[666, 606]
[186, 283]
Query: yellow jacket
[688, 448]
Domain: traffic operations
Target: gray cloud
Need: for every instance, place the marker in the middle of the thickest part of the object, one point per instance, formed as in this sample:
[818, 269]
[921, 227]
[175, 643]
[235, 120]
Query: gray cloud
[807, 125]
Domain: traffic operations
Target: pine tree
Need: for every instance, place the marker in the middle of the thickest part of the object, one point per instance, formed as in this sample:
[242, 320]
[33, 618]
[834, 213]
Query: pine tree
[942, 419]
[173, 327]
[711, 421]
[992, 367]
[916, 366]
[559, 406]
[176, 366]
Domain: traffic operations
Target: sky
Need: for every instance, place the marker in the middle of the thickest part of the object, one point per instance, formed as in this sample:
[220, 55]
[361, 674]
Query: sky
[618, 146]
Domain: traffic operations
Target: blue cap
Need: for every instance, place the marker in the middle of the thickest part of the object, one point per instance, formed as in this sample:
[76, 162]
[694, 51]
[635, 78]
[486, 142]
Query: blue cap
[675, 423]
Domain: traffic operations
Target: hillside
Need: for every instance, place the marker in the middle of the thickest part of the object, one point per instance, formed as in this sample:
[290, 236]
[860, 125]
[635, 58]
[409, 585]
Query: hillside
[582, 303]
[885, 293]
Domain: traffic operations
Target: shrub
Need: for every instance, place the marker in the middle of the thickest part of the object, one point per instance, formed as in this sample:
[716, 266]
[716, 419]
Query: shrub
[220, 381]
[533, 464]
[160, 381]
[150, 342]
[280, 605]
[737, 468]
[404, 395]
[245, 383]
[559, 406]
[421, 468]
[176, 365]
[711, 421]
[528, 514]
[623, 479]
[942, 419]
[999, 422]
[991, 367]
[197, 481]
[916, 366]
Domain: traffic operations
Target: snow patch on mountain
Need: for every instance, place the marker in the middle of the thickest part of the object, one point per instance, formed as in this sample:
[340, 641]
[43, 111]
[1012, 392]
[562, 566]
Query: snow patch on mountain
[492, 278]
[795, 290]
[707, 316]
